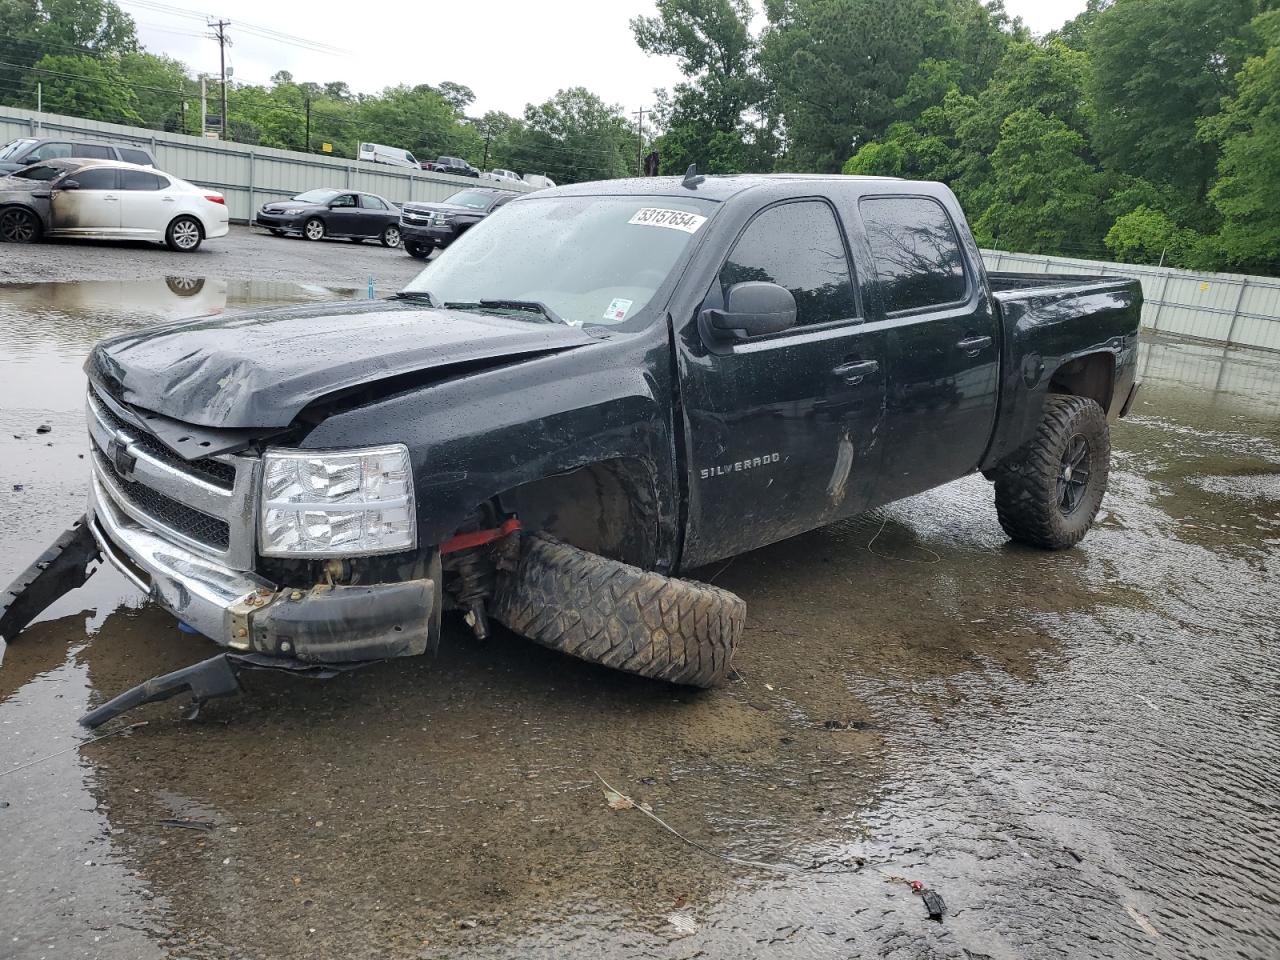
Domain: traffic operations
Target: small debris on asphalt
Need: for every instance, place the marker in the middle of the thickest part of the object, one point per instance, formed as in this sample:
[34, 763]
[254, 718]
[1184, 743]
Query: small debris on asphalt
[44, 428]
[183, 823]
[683, 923]
[934, 903]
[1147, 926]
[467, 924]
[17, 487]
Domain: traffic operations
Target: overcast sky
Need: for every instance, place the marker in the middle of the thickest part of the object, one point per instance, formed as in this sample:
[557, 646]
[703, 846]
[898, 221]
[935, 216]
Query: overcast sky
[509, 53]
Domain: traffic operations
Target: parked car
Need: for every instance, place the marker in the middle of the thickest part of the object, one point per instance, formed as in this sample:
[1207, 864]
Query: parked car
[392, 156]
[25, 151]
[425, 226]
[507, 176]
[106, 199]
[455, 165]
[349, 214]
[539, 181]
[604, 386]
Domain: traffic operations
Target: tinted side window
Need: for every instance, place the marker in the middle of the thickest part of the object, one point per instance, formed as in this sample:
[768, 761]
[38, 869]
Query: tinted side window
[48, 151]
[916, 252]
[140, 180]
[96, 178]
[798, 246]
[344, 200]
[140, 157]
[91, 151]
[371, 203]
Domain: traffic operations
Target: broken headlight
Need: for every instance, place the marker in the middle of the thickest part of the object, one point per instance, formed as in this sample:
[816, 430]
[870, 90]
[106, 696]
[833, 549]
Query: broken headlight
[344, 504]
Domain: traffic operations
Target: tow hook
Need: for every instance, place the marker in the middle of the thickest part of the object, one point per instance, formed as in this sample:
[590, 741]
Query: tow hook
[216, 677]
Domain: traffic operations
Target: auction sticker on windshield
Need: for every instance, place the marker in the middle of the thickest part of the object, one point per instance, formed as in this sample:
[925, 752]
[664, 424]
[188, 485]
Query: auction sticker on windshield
[671, 219]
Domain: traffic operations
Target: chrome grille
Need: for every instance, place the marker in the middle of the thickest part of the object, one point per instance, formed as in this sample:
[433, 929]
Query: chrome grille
[207, 505]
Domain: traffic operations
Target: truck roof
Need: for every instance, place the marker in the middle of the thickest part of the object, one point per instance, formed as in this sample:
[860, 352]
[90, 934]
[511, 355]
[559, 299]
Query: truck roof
[713, 187]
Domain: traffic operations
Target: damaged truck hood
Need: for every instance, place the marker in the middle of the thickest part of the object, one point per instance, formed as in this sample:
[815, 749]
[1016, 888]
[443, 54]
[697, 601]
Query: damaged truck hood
[258, 371]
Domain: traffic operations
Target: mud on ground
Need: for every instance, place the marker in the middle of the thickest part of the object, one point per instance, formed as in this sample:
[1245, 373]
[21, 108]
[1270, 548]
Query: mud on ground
[1076, 750]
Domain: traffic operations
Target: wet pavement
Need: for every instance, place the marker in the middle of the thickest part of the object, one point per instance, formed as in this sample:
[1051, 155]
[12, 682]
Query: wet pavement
[1076, 750]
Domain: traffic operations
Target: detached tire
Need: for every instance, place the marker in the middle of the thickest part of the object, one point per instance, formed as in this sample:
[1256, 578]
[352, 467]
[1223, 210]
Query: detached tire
[1048, 492]
[619, 615]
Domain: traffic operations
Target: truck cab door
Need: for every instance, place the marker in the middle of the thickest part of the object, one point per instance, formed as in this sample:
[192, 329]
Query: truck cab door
[92, 206]
[944, 344]
[781, 429]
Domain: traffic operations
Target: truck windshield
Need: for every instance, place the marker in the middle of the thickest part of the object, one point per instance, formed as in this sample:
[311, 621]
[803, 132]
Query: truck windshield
[14, 147]
[596, 260]
[475, 199]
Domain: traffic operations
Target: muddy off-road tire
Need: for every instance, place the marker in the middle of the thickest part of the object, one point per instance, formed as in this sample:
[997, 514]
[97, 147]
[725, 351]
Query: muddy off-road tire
[1048, 492]
[618, 615]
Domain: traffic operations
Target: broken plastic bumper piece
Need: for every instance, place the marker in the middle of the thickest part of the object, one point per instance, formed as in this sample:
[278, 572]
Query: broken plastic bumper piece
[59, 570]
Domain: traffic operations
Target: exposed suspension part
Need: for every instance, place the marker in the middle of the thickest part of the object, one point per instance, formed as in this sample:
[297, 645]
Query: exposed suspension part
[473, 558]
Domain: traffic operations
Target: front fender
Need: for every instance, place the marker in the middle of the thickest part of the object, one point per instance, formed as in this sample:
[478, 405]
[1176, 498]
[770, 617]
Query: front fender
[474, 436]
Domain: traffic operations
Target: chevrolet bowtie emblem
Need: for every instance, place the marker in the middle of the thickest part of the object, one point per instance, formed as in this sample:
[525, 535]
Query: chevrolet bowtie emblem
[120, 457]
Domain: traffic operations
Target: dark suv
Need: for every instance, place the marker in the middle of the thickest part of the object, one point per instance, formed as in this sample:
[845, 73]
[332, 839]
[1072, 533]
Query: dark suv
[455, 165]
[25, 151]
[427, 225]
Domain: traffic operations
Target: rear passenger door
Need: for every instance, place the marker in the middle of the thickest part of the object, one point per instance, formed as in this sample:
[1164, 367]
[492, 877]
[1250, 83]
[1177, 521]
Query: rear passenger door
[782, 428]
[146, 204]
[374, 215]
[943, 345]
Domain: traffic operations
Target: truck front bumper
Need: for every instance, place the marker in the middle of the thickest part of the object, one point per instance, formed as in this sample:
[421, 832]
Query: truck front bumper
[242, 611]
[436, 236]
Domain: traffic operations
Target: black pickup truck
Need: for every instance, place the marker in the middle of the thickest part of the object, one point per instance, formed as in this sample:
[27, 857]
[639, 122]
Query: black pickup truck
[605, 387]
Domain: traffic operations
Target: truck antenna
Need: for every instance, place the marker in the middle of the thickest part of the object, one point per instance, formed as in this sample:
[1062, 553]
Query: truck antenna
[692, 178]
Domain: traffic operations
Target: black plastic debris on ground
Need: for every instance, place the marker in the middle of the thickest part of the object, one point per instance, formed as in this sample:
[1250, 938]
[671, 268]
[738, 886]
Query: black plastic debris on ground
[934, 903]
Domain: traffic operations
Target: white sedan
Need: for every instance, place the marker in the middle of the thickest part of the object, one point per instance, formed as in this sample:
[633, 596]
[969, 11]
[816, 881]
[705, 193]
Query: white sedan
[105, 199]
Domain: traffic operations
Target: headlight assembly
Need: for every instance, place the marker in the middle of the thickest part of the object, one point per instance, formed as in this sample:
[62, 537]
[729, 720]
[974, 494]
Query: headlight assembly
[348, 503]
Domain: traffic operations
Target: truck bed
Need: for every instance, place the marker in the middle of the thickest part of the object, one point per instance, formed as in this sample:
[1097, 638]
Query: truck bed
[1013, 286]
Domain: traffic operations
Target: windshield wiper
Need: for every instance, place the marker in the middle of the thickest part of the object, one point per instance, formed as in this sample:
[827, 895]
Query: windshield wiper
[416, 295]
[524, 306]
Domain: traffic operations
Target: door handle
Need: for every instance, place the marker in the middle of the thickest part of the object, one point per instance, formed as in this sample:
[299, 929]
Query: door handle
[974, 345]
[857, 371]
[112, 199]
[167, 199]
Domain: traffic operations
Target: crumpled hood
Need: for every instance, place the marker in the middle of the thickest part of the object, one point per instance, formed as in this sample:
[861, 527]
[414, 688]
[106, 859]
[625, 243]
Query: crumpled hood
[260, 370]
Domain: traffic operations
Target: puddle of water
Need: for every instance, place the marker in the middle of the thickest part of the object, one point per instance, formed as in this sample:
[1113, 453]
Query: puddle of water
[1050, 740]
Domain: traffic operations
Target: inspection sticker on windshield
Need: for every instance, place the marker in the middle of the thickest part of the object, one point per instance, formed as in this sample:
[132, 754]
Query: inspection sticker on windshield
[671, 219]
[617, 309]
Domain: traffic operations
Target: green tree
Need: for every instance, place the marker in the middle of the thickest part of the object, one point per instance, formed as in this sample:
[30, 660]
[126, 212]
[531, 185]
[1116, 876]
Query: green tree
[1046, 197]
[1249, 173]
[33, 29]
[1158, 68]
[715, 119]
[574, 136]
[85, 87]
[164, 91]
[1146, 235]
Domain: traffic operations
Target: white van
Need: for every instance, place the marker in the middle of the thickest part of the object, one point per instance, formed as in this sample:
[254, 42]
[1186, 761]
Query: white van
[392, 156]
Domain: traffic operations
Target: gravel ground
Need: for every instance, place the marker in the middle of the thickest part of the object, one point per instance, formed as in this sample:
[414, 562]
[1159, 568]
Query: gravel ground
[244, 254]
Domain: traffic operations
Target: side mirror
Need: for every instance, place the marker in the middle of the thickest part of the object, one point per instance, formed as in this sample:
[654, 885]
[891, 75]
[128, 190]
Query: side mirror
[753, 309]
[69, 185]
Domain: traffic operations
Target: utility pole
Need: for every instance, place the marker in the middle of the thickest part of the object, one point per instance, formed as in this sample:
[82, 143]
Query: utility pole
[639, 115]
[485, 161]
[308, 147]
[204, 112]
[221, 37]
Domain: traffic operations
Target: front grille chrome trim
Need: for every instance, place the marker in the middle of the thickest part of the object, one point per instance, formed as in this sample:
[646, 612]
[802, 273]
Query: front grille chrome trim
[236, 507]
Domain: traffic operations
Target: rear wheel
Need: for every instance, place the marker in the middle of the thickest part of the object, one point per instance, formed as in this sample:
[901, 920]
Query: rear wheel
[618, 615]
[184, 235]
[391, 237]
[18, 225]
[416, 250]
[1049, 492]
[313, 229]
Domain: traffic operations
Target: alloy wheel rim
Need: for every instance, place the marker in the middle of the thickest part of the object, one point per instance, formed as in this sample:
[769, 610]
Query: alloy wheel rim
[393, 237]
[1073, 474]
[315, 231]
[16, 227]
[186, 234]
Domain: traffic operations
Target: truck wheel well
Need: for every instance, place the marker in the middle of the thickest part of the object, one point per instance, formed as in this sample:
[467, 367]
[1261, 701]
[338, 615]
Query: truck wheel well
[608, 508]
[1090, 376]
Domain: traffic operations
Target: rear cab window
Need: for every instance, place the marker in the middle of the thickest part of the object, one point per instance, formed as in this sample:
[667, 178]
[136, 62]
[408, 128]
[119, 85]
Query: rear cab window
[140, 157]
[916, 253]
[798, 245]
